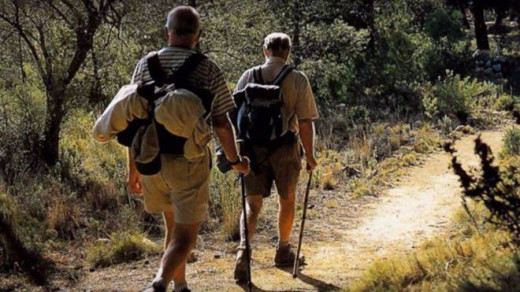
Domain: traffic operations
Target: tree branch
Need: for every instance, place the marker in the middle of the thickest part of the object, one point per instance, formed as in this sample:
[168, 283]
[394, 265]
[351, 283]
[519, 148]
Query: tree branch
[244, 61]
[61, 14]
[18, 27]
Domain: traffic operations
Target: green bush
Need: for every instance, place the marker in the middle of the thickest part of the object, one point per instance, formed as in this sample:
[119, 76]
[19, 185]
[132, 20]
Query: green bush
[505, 102]
[511, 142]
[21, 125]
[444, 23]
[456, 96]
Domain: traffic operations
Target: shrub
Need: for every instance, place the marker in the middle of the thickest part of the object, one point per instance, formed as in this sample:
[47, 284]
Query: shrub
[225, 203]
[21, 125]
[15, 253]
[362, 191]
[443, 23]
[122, 247]
[505, 102]
[330, 166]
[426, 139]
[63, 217]
[328, 179]
[358, 115]
[451, 98]
[498, 189]
[476, 263]
[511, 142]
[457, 97]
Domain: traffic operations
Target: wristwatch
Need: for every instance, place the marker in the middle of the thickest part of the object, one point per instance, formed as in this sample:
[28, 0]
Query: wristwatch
[239, 159]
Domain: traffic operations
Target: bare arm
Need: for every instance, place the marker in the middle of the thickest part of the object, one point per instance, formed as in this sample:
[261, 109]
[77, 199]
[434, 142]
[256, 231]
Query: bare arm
[134, 177]
[307, 138]
[226, 135]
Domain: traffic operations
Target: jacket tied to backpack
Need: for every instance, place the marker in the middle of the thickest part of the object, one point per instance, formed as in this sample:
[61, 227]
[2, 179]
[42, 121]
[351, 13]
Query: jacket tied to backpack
[165, 116]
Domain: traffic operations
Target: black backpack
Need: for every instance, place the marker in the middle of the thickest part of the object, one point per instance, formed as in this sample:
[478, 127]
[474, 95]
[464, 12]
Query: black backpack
[148, 133]
[259, 116]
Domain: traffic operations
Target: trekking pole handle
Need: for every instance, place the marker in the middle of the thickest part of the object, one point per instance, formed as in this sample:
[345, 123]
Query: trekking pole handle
[304, 215]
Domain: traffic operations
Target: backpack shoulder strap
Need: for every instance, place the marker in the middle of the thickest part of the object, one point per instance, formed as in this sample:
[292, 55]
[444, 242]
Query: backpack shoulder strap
[280, 78]
[184, 71]
[257, 75]
[155, 68]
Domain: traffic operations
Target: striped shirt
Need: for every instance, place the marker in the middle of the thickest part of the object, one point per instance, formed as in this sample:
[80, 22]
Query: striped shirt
[206, 76]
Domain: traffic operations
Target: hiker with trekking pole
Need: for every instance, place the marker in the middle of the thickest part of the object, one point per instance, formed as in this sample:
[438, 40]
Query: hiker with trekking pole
[274, 117]
[165, 118]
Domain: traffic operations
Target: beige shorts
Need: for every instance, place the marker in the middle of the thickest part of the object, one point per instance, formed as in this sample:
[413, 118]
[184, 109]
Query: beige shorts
[181, 187]
[282, 166]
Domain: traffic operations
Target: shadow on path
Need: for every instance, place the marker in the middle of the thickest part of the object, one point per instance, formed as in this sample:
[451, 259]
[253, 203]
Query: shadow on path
[316, 283]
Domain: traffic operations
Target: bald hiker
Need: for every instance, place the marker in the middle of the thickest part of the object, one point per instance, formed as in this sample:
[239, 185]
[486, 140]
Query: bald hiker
[272, 121]
[165, 118]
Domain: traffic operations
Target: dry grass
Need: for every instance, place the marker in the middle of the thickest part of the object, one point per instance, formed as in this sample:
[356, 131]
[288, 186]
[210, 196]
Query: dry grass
[362, 191]
[426, 139]
[330, 167]
[466, 261]
[226, 204]
[121, 247]
[63, 216]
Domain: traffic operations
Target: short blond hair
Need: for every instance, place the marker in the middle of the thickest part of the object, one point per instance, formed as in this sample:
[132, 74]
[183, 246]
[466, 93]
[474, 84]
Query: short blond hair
[278, 43]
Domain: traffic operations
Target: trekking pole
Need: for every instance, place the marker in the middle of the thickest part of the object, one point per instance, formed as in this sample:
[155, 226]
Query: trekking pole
[304, 214]
[246, 231]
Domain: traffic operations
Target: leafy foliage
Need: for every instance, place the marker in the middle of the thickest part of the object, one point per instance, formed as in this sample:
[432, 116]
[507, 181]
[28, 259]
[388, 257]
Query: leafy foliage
[498, 189]
[511, 142]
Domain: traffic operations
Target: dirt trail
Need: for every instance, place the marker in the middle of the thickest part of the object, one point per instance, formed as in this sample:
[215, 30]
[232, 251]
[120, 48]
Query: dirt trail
[341, 245]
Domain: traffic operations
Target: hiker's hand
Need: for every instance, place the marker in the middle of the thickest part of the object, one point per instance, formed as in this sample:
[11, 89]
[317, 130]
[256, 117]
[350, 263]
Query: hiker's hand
[243, 167]
[135, 182]
[311, 163]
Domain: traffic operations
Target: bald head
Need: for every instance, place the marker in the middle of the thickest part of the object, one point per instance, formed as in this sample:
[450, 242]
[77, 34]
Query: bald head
[183, 27]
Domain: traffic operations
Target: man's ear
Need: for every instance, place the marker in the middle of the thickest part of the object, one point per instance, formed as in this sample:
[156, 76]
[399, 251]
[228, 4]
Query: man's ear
[267, 54]
[288, 55]
[199, 34]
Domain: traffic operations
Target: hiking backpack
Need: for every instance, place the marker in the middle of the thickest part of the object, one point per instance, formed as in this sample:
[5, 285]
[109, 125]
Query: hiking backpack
[259, 116]
[147, 138]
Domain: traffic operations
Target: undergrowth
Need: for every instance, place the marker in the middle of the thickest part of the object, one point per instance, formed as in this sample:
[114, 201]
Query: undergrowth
[121, 247]
[481, 253]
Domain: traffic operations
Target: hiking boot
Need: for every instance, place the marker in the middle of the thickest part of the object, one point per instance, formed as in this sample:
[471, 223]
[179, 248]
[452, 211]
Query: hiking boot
[240, 273]
[155, 287]
[183, 289]
[285, 256]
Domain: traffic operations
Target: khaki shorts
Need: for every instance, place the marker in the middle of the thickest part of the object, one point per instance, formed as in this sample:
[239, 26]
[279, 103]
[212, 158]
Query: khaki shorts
[282, 166]
[181, 186]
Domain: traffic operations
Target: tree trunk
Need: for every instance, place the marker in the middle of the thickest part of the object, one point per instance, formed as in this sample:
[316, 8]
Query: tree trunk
[296, 35]
[465, 20]
[370, 20]
[480, 26]
[500, 15]
[51, 140]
